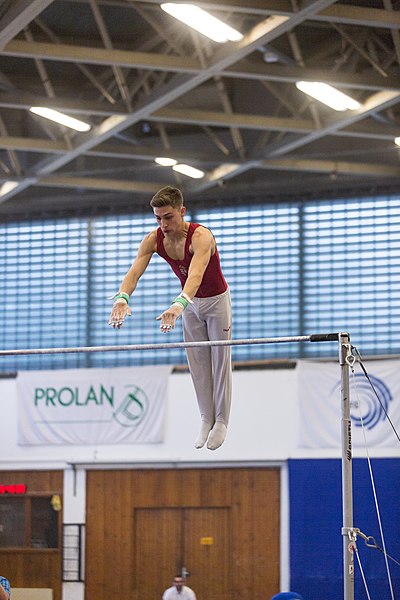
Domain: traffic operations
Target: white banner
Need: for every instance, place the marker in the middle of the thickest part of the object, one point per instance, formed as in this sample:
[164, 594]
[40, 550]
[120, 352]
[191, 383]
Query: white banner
[319, 386]
[92, 406]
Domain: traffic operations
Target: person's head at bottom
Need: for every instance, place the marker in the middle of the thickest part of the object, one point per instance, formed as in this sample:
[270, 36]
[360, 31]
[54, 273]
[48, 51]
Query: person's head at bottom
[178, 582]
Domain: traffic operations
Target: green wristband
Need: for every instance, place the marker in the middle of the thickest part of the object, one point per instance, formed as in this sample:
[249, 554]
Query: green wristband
[180, 300]
[123, 296]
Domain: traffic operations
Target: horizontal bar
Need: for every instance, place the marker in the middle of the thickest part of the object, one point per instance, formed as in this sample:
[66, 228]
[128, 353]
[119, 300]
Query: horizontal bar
[171, 345]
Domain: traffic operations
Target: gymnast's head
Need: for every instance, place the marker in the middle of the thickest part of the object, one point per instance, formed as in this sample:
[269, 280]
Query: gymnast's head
[167, 196]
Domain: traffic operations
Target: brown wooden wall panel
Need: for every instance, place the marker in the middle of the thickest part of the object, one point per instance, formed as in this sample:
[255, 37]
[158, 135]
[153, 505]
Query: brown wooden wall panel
[131, 516]
[36, 481]
[33, 567]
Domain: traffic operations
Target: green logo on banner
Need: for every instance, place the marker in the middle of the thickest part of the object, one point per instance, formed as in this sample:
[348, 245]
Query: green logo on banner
[129, 412]
[67, 396]
[133, 408]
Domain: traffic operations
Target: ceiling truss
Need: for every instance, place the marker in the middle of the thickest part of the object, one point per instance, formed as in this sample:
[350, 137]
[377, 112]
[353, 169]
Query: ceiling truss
[150, 86]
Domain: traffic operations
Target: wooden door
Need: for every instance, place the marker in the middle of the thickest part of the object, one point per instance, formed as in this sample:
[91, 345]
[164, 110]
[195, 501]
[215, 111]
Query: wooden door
[147, 524]
[207, 551]
[157, 544]
[169, 541]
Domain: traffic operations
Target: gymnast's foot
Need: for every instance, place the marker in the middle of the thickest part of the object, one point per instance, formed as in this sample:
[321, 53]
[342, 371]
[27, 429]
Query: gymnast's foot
[203, 434]
[217, 436]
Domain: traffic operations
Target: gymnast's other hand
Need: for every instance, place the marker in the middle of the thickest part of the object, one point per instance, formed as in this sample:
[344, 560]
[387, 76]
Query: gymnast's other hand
[168, 317]
[119, 312]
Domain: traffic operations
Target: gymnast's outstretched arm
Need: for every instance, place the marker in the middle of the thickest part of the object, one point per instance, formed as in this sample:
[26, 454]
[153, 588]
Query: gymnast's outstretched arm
[121, 309]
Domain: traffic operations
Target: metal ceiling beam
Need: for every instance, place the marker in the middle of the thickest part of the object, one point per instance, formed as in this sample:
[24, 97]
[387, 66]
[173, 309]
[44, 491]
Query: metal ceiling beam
[33, 145]
[330, 166]
[266, 123]
[349, 38]
[365, 81]
[106, 150]
[93, 183]
[369, 130]
[101, 56]
[185, 64]
[82, 68]
[13, 158]
[19, 15]
[316, 166]
[69, 105]
[220, 119]
[360, 16]
[189, 116]
[263, 33]
[149, 153]
[338, 13]
[260, 7]
[376, 103]
[395, 32]
[194, 117]
[105, 36]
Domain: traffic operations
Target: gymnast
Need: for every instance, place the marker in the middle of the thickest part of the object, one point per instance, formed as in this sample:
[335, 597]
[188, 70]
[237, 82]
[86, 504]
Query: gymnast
[204, 303]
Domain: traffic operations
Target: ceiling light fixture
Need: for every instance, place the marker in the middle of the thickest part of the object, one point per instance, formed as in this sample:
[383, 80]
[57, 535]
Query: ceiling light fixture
[189, 171]
[328, 95]
[203, 22]
[7, 187]
[165, 162]
[54, 115]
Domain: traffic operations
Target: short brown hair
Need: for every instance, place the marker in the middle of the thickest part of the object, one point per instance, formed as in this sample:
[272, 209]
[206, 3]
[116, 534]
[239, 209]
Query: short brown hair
[167, 196]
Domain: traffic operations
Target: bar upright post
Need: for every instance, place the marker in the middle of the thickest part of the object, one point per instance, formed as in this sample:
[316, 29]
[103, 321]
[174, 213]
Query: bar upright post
[347, 471]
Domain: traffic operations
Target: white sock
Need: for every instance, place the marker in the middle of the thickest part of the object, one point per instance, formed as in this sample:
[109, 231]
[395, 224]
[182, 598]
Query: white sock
[203, 434]
[217, 436]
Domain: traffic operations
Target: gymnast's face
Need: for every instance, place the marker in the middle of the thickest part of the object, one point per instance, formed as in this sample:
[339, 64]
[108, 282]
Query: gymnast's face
[170, 219]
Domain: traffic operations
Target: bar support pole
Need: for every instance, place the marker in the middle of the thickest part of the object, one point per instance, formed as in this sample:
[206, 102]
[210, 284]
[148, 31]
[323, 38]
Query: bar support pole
[345, 358]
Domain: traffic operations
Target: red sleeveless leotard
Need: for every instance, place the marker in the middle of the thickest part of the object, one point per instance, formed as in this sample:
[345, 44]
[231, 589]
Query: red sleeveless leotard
[213, 282]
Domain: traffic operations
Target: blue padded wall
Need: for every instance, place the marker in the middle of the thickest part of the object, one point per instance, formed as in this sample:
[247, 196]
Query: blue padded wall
[316, 554]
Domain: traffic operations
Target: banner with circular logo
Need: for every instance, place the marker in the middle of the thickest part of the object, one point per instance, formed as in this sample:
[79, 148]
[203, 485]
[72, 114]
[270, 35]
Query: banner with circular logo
[92, 406]
[372, 401]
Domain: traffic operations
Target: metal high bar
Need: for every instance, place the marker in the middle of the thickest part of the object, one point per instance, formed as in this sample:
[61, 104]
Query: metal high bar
[325, 337]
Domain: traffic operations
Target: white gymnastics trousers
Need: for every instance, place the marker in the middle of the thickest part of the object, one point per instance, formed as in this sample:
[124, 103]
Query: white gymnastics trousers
[210, 367]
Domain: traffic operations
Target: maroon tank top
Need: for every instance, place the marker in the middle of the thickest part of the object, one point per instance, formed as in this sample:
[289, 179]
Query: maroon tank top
[213, 282]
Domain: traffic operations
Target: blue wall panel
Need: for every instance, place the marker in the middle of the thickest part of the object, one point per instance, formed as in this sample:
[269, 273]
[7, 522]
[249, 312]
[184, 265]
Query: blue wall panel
[316, 554]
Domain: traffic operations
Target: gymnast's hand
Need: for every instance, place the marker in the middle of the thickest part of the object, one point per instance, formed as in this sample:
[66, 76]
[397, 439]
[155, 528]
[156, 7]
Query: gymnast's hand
[119, 312]
[168, 317]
